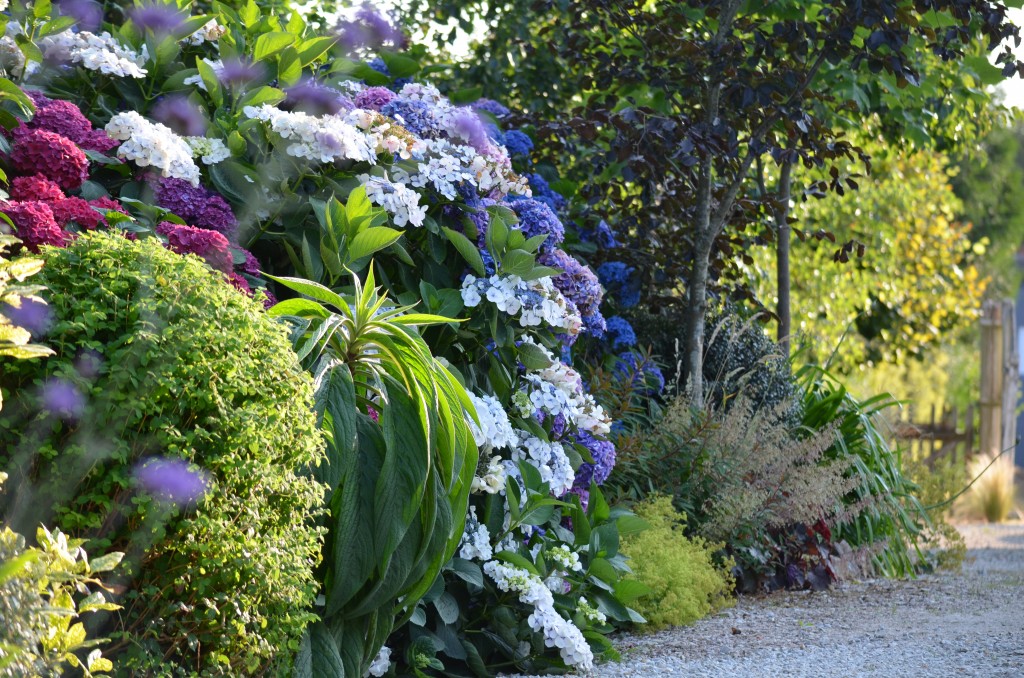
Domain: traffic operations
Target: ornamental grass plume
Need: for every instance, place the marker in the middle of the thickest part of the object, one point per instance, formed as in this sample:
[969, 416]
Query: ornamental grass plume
[991, 497]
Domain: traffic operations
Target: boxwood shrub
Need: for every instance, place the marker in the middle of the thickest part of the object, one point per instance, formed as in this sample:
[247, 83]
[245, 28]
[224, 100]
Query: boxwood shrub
[157, 357]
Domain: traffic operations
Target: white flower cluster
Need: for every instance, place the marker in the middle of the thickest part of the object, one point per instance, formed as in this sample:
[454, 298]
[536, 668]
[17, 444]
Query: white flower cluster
[210, 150]
[321, 139]
[558, 631]
[445, 164]
[402, 203]
[565, 558]
[534, 301]
[492, 480]
[385, 135]
[590, 613]
[416, 91]
[210, 32]
[558, 389]
[476, 540]
[380, 664]
[150, 144]
[548, 458]
[95, 52]
[495, 431]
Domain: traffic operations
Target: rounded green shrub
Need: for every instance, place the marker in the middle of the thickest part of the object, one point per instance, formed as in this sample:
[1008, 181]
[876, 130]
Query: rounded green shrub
[158, 359]
[684, 582]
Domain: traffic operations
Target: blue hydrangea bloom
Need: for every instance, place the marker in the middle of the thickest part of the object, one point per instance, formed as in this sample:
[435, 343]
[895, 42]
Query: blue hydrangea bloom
[496, 135]
[491, 106]
[620, 333]
[518, 143]
[378, 65]
[543, 192]
[618, 278]
[536, 218]
[645, 376]
[603, 453]
[416, 116]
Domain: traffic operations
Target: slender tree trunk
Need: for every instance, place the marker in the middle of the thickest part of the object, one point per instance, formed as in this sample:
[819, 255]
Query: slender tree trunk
[782, 242]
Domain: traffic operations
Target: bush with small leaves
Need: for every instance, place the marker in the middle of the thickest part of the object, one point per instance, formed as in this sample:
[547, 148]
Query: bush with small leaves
[174, 423]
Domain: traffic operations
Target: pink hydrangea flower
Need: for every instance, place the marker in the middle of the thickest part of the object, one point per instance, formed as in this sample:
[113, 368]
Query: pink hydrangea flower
[34, 224]
[35, 187]
[56, 157]
[210, 245]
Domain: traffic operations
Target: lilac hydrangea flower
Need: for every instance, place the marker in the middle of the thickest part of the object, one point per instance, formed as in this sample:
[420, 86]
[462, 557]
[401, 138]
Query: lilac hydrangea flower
[34, 316]
[580, 286]
[161, 19]
[172, 480]
[375, 98]
[63, 399]
[368, 29]
[196, 205]
[491, 106]
[536, 218]
[311, 97]
[603, 454]
[239, 72]
[88, 14]
[178, 113]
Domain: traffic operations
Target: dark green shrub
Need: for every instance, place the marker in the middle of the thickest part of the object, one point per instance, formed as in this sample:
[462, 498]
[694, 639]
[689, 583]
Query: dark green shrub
[158, 357]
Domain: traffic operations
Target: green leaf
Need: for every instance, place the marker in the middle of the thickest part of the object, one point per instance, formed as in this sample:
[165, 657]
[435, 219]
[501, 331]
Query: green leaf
[517, 262]
[533, 357]
[314, 290]
[465, 96]
[468, 572]
[447, 608]
[310, 50]
[318, 655]
[513, 558]
[270, 44]
[289, 67]
[467, 249]
[259, 96]
[400, 66]
[107, 562]
[14, 566]
[631, 524]
[371, 241]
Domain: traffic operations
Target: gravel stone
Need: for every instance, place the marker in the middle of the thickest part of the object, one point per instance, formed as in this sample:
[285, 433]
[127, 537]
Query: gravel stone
[969, 623]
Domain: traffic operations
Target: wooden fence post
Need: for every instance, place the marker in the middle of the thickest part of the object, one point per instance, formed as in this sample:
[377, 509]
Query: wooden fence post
[1011, 379]
[991, 377]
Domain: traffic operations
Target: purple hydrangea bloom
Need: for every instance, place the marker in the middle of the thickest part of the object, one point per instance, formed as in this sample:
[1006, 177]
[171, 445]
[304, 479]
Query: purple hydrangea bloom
[210, 245]
[491, 106]
[251, 265]
[34, 316]
[416, 116]
[196, 205]
[160, 19]
[63, 399]
[518, 143]
[172, 480]
[239, 72]
[88, 14]
[178, 113]
[536, 218]
[470, 128]
[578, 284]
[375, 98]
[369, 29]
[311, 97]
[620, 333]
[603, 454]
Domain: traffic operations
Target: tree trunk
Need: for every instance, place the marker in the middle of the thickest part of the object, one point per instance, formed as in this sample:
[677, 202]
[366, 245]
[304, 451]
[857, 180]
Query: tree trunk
[782, 242]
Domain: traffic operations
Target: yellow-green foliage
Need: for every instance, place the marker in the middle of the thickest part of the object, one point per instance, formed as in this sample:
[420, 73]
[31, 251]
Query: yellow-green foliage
[685, 583]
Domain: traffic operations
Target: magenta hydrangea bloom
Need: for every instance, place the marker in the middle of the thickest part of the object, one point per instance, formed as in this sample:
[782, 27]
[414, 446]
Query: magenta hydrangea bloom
[251, 265]
[34, 224]
[375, 98]
[197, 205]
[210, 245]
[76, 210]
[66, 119]
[52, 155]
[240, 283]
[35, 187]
[172, 480]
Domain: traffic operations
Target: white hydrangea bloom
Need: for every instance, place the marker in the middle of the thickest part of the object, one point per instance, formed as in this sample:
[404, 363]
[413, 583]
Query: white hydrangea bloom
[95, 52]
[385, 136]
[321, 139]
[150, 144]
[591, 613]
[423, 92]
[549, 459]
[12, 60]
[402, 203]
[495, 431]
[492, 480]
[565, 558]
[558, 631]
[3, 5]
[476, 540]
[211, 151]
[536, 302]
[380, 664]
[210, 32]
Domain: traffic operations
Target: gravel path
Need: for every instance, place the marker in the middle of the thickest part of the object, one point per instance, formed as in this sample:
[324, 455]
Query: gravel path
[965, 624]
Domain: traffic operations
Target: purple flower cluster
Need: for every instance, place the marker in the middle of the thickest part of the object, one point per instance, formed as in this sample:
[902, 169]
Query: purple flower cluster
[196, 205]
[537, 218]
[603, 454]
[172, 480]
[181, 115]
[369, 29]
[375, 98]
[580, 286]
[315, 99]
[491, 106]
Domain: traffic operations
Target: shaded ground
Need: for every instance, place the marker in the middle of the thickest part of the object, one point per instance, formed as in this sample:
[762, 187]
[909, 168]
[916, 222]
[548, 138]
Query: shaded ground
[965, 624]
